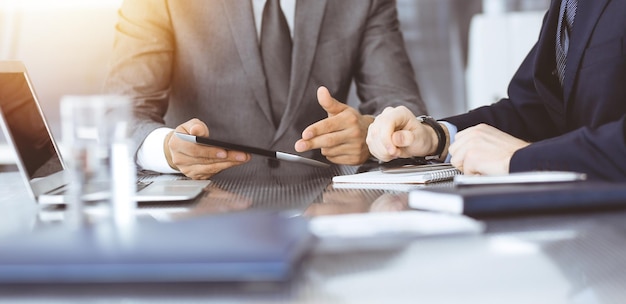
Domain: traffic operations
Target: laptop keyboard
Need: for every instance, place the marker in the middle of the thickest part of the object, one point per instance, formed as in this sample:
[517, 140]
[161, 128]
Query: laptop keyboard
[142, 184]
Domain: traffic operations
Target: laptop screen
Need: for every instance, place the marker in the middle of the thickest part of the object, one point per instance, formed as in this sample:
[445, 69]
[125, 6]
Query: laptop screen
[26, 127]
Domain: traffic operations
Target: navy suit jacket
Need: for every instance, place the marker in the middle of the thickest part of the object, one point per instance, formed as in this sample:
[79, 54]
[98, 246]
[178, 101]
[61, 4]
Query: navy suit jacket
[581, 126]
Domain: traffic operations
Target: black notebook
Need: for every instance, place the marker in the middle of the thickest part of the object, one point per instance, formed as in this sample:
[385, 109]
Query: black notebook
[490, 200]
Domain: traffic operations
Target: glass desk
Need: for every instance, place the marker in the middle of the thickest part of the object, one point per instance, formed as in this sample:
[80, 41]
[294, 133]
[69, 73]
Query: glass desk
[562, 258]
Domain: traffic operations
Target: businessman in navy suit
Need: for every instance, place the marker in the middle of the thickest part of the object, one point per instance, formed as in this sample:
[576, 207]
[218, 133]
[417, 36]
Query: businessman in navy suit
[566, 108]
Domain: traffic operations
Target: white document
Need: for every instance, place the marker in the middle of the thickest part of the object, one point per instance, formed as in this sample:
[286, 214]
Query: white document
[519, 178]
[379, 186]
[381, 230]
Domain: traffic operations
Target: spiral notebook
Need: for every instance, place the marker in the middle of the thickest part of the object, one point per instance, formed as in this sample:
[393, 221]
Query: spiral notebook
[419, 176]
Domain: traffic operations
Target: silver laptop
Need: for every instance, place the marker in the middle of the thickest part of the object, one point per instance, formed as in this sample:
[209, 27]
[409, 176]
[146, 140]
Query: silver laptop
[37, 154]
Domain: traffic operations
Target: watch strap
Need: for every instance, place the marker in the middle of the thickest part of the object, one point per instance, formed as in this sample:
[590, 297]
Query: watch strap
[441, 134]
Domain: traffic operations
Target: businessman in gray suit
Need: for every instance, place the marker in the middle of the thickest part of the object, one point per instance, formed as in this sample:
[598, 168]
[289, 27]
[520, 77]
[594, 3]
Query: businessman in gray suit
[215, 68]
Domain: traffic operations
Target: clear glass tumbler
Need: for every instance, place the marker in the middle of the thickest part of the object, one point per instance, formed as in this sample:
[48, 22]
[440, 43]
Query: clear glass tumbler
[95, 131]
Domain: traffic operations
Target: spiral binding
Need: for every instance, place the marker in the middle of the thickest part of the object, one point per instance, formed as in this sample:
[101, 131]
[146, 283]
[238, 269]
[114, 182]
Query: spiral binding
[442, 175]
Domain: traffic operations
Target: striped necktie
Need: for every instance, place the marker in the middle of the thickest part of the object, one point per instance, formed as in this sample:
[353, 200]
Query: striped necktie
[564, 30]
[276, 54]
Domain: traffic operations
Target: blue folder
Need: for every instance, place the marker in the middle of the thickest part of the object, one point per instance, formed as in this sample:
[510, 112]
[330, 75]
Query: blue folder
[237, 247]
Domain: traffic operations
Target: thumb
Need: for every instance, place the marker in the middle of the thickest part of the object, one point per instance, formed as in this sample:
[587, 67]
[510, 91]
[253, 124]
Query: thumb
[195, 127]
[199, 130]
[329, 104]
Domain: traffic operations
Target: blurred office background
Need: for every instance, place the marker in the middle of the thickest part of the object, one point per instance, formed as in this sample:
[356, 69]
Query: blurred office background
[463, 51]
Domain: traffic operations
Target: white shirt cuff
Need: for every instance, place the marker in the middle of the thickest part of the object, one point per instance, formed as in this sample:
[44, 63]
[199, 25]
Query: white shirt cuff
[151, 156]
[452, 130]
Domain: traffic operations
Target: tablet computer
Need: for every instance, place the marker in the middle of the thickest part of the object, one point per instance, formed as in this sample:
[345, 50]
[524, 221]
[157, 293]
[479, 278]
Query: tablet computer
[252, 150]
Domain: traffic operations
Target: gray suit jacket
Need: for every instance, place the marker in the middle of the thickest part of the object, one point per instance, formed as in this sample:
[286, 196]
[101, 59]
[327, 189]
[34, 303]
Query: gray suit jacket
[182, 59]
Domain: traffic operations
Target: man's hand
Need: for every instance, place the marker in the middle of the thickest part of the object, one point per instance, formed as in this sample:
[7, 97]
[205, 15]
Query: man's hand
[484, 150]
[396, 133]
[341, 136]
[197, 161]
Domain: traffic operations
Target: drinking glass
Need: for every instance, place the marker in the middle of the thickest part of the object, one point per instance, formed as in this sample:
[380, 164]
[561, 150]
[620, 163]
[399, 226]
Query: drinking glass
[95, 131]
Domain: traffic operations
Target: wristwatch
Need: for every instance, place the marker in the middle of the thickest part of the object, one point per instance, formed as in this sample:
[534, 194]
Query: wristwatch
[441, 134]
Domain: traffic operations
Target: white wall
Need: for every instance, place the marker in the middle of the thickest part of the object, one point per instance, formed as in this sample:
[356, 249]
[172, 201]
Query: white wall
[498, 43]
[65, 45]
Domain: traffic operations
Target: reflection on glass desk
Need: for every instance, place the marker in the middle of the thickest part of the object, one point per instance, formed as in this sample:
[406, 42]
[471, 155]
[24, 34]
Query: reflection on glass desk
[558, 258]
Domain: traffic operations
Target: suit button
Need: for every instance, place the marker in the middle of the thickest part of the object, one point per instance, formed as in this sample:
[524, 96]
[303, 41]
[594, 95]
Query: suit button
[273, 163]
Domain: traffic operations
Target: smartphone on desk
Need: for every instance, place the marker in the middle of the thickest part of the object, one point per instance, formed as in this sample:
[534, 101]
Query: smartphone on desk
[415, 164]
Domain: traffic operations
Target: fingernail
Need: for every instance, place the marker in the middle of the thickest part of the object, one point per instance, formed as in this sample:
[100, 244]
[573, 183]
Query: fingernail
[300, 146]
[240, 157]
[221, 155]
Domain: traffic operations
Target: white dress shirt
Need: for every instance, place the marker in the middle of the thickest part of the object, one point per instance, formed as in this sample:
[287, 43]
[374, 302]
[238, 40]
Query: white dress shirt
[151, 155]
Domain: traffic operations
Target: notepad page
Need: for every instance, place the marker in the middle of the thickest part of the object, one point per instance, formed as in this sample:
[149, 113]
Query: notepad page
[380, 177]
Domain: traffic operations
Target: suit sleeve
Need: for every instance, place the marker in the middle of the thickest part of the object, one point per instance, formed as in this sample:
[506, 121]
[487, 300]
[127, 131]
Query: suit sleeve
[598, 152]
[141, 63]
[385, 77]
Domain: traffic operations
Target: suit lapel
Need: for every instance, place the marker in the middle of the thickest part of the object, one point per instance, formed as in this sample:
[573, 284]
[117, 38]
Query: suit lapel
[243, 29]
[586, 18]
[544, 69]
[308, 21]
